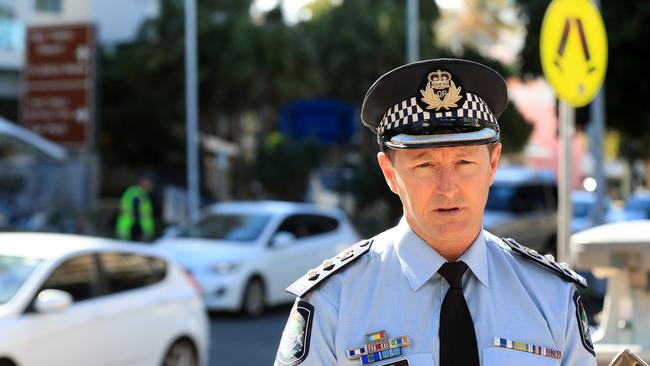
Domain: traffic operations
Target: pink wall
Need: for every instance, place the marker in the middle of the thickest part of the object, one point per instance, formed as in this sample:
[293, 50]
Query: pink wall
[535, 100]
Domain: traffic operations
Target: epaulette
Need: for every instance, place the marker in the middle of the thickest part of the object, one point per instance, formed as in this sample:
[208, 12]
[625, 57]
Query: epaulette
[315, 277]
[547, 261]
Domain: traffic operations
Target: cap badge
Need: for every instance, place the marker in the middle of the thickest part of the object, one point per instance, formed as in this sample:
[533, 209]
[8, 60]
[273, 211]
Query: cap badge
[441, 91]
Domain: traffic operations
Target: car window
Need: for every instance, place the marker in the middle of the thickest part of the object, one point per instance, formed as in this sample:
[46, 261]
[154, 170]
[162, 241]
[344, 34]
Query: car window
[76, 276]
[13, 273]
[230, 227]
[517, 198]
[529, 198]
[127, 271]
[308, 225]
[500, 197]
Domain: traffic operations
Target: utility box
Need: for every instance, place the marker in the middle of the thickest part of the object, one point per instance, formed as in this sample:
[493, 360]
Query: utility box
[619, 252]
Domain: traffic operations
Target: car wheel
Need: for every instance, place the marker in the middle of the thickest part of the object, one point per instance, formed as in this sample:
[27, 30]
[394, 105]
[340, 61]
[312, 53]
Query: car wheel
[253, 302]
[181, 353]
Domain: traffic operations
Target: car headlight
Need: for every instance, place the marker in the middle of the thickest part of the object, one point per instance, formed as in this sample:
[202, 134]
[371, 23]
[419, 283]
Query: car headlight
[224, 267]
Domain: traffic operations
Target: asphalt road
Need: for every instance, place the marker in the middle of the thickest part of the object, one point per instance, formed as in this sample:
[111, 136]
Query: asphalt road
[239, 341]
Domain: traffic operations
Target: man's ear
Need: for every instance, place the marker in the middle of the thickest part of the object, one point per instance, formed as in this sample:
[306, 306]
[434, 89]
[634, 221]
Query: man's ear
[388, 169]
[494, 161]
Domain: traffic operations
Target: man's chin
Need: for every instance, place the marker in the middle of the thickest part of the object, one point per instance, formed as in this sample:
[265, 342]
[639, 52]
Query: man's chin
[455, 230]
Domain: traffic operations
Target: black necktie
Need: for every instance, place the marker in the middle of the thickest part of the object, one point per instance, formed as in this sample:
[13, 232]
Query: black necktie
[456, 334]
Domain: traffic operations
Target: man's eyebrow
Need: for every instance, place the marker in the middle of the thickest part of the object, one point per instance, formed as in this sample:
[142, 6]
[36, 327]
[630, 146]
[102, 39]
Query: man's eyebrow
[465, 151]
[421, 154]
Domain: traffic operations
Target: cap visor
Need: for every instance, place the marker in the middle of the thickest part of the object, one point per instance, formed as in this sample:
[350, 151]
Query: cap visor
[402, 141]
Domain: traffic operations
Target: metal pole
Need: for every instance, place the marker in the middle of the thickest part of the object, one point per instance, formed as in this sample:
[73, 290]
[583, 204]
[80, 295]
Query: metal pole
[412, 31]
[566, 122]
[597, 128]
[191, 102]
[597, 109]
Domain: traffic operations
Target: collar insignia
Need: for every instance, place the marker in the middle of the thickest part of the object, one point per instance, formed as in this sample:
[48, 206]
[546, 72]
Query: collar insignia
[378, 348]
[441, 91]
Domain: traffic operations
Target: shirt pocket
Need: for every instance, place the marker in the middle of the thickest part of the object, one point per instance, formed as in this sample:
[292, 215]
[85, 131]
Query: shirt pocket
[417, 359]
[509, 357]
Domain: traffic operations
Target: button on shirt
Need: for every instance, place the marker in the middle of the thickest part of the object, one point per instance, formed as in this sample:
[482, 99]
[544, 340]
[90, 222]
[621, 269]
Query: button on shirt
[395, 287]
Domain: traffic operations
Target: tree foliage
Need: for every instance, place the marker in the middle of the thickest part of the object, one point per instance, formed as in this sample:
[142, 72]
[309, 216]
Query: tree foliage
[255, 63]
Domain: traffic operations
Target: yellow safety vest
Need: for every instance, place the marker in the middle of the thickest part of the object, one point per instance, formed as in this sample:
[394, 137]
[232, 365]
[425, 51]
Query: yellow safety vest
[126, 220]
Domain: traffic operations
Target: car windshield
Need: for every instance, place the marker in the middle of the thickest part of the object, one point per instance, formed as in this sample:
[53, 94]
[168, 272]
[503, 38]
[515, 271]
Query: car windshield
[230, 227]
[13, 272]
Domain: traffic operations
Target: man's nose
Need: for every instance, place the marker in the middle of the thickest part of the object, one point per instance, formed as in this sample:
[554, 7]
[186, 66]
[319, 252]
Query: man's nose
[446, 182]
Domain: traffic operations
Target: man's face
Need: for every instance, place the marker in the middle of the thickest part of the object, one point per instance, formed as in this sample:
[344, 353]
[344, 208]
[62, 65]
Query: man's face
[146, 184]
[443, 190]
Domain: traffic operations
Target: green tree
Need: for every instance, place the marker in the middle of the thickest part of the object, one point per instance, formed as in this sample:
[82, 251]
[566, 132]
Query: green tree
[245, 64]
[359, 40]
[283, 166]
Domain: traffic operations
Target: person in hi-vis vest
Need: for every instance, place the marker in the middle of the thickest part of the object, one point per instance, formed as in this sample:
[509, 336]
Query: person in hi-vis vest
[135, 221]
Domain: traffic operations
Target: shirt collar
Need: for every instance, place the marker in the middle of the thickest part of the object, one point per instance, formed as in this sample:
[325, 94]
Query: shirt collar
[420, 262]
[476, 258]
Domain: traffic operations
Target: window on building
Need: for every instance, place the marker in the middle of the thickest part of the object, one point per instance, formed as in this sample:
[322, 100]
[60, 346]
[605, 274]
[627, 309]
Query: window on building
[50, 6]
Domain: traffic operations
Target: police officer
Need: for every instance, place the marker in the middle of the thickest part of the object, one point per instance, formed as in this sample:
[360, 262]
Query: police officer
[437, 289]
[135, 220]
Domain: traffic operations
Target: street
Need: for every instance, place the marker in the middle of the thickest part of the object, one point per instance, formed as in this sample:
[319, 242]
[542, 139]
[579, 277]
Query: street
[236, 340]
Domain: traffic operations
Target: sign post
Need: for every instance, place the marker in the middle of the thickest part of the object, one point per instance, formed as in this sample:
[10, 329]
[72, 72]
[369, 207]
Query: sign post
[573, 50]
[58, 99]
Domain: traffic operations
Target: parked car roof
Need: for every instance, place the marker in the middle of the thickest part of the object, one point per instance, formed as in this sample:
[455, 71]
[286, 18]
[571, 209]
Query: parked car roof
[274, 207]
[519, 174]
[49, 245]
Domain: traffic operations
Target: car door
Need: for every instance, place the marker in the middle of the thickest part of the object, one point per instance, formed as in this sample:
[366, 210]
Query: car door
[316, 239]
[534, 225]
[136, 307]
[77, 335]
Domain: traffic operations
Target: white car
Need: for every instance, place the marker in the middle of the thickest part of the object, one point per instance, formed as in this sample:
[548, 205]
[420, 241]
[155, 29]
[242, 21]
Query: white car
[72, 300]
[244, 254]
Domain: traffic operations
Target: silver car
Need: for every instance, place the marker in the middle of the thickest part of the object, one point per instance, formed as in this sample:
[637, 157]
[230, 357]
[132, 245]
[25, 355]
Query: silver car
[522, 204]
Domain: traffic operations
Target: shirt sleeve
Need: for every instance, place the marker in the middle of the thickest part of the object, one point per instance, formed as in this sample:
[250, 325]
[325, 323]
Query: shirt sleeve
[578, 349]
[308, 337]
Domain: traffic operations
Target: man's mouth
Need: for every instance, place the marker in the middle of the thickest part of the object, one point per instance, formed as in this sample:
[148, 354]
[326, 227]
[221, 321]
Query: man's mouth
[448, 211]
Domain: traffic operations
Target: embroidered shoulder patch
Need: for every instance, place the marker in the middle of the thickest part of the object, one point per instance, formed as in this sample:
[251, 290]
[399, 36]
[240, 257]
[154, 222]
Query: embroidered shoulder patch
[294, 345]
[583, 324]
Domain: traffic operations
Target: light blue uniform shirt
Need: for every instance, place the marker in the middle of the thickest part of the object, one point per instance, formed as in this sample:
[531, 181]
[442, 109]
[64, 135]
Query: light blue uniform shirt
[395, 287]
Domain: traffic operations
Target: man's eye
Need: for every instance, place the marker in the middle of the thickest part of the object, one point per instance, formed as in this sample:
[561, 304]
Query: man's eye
[465, 162]
[423, 165]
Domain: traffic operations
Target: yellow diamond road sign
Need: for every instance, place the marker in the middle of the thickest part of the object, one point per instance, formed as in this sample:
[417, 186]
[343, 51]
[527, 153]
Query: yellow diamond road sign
[573, 48]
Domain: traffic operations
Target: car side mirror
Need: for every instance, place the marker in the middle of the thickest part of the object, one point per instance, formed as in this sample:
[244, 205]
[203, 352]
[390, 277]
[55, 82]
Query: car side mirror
[282, 239]
[52, 301]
